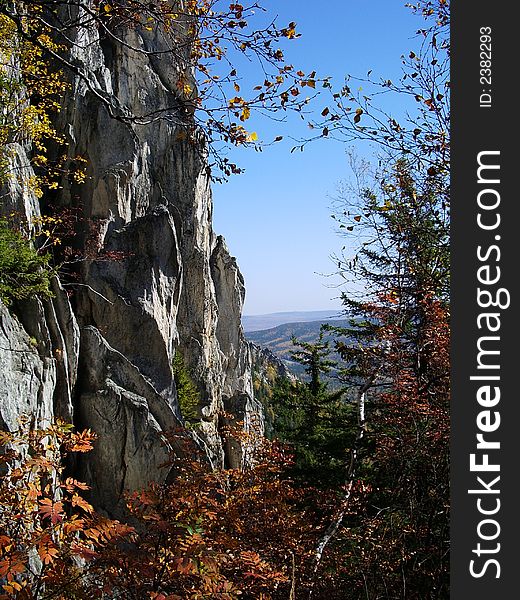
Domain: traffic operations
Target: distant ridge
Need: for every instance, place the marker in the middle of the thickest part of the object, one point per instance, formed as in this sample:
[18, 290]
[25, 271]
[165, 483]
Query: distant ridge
[279, 339]
[268, 321]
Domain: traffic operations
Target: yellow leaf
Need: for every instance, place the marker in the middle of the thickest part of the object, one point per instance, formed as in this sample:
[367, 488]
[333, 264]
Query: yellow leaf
[78, 501]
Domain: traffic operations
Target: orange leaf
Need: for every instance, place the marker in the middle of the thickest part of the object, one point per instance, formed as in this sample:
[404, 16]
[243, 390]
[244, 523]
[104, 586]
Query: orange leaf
[47, 552]
[83, 504]
[83, 552]
[51, 510]
[11, 567]
[75, 524]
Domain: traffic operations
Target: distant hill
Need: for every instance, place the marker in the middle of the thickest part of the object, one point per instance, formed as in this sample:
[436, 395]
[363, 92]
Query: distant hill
[261, 322]
[278, 339]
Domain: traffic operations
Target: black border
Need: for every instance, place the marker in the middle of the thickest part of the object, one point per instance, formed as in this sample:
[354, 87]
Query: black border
[477, 128]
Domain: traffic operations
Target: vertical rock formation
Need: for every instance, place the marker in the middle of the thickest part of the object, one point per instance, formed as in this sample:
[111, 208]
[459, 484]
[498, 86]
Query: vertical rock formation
[104, 357]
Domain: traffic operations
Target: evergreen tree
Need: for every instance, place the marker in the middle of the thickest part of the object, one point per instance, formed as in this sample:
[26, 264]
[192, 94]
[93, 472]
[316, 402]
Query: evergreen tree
[396, 543]
[315, 421]
[398, 351]
[188, 395]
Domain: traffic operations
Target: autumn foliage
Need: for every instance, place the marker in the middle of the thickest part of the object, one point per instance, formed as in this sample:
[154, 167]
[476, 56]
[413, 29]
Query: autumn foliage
[398, 542]
[48, 531]
[208, 534]
[204, 42]
[377, 527]
[215, 534]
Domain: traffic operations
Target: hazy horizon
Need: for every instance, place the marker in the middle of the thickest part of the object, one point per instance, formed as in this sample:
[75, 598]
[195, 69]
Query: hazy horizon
[293, 312]
[265, 321]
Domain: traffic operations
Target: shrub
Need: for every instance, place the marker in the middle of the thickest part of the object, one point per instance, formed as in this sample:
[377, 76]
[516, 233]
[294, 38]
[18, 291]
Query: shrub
[23, 271]
[49, 534]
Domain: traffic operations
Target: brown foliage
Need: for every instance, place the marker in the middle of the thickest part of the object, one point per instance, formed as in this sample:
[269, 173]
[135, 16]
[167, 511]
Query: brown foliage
[217, 533]
[48, 532]
[398, 543]
[207, 534]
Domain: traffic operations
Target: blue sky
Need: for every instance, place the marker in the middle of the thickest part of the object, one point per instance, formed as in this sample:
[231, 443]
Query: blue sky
[276, 217]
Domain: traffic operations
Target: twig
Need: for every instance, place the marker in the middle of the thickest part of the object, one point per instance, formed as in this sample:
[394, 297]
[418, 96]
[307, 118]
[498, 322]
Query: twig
[91, 289]
[292, 593]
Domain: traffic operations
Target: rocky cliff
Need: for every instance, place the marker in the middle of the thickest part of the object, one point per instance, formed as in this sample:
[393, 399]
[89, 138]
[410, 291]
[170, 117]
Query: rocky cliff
[102, 356]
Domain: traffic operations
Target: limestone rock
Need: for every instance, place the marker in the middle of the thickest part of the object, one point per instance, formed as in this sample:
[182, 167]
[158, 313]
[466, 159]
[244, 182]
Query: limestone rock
[266, 366]
[154, 277]
[27, 379]
[130, 418]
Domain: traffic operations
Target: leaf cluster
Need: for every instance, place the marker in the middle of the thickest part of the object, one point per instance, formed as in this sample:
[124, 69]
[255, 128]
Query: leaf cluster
[208, 533]
[31, 90]
[188, 395]
[47, 528]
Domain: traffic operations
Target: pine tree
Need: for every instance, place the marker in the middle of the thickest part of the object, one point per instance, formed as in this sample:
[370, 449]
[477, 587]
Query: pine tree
[315, 421]
[24, 272]
[188, 395]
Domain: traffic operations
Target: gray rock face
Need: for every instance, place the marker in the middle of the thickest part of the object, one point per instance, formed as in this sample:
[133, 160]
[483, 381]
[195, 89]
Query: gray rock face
[130, 418]
[267, 366]
[39, 349]
[27, 379]
[172, 284]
